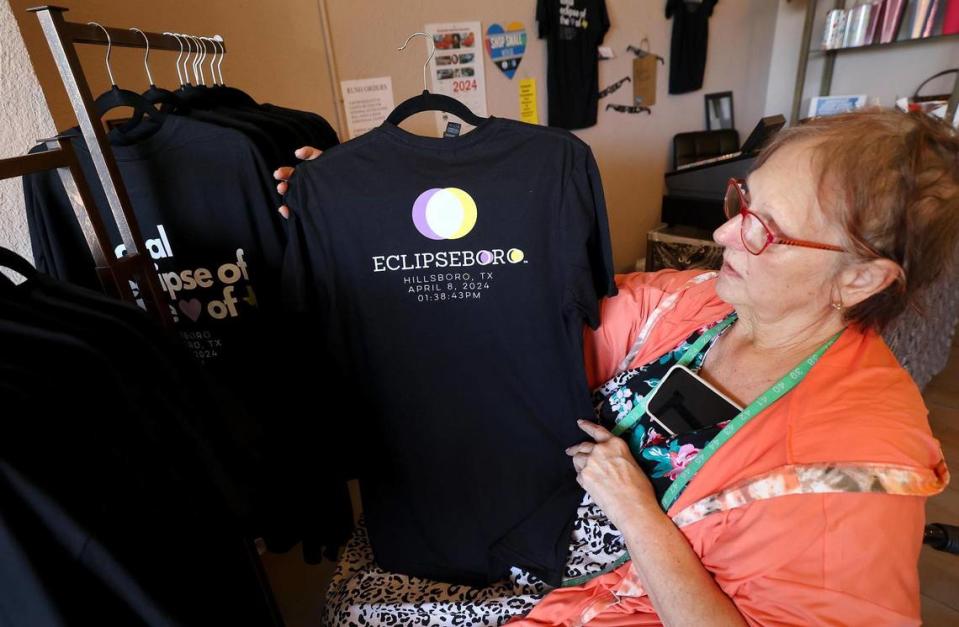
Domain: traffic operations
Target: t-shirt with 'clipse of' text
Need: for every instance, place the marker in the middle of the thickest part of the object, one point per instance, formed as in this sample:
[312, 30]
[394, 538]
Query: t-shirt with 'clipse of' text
[573, 30]
[451, 279]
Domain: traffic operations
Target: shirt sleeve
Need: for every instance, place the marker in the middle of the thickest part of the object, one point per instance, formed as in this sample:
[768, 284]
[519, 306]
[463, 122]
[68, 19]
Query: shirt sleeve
[544, 18]
[623, 316]
[253, 181]
[310, 335]
[307, 263]
[670, 8]
[846, 559]
[603, 20]
[587, 248]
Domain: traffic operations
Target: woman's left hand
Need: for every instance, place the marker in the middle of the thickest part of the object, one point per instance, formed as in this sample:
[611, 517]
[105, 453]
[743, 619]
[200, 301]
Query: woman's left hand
[607, 471]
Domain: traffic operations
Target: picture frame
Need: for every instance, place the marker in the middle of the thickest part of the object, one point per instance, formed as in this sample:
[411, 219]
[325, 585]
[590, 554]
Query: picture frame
[831, 105]
[719, 111]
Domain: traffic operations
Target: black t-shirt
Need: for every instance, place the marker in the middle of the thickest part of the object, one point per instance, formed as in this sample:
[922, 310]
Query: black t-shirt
[276, 131]
[321, 134]
[206, 207]
[127, 512]
[573, 29]
[687, 51]
[270, 148]
[452, 278]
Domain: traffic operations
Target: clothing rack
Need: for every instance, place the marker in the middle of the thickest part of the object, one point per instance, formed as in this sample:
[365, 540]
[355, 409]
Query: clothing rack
[62, 37]
[113, 272]
[60, 156]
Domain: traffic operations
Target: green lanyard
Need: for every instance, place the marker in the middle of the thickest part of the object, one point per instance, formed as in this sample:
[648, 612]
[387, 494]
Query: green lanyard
[630, 419]
[767, 398]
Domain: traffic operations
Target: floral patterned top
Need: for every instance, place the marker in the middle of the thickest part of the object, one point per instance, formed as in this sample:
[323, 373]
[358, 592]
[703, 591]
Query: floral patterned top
[662, 457]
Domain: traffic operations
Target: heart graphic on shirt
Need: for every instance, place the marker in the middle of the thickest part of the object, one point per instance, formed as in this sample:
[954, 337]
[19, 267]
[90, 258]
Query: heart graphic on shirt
[506, 46]
[191, 308]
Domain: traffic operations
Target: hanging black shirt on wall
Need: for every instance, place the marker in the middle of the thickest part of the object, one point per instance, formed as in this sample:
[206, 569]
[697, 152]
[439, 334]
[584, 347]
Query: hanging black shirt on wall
[453, 278]
[573, 30]
[687, 51]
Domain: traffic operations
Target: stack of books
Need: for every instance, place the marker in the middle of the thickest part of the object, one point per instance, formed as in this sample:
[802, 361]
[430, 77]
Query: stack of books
[885, 21]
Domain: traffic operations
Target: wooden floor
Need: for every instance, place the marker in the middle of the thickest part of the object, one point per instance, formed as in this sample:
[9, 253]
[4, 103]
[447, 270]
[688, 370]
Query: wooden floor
[299, 589]
[938, 572]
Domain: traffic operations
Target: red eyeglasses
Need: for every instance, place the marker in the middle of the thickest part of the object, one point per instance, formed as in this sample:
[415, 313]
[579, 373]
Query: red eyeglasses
[753, 231]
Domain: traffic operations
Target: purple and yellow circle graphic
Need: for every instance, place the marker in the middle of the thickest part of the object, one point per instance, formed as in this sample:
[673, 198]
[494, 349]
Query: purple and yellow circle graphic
[444, 213]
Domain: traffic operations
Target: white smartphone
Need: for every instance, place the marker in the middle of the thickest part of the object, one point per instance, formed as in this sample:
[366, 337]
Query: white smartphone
[684, 402]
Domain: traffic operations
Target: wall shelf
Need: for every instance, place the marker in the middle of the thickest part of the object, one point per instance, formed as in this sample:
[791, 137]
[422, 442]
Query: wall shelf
[825, 86]
[891, 44]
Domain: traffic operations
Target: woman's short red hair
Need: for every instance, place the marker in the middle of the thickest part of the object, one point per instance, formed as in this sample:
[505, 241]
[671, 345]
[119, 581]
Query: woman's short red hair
[892, 180]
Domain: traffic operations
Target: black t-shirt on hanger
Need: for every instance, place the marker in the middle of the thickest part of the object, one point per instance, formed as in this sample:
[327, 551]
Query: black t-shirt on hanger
[96, 477]
[206, 206]
[452, 278]
[318, 129]
[573, 30]
[206, 209]
[687, 50]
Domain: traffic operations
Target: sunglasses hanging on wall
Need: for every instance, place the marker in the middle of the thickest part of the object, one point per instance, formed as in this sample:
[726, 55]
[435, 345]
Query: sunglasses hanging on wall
[614, 87]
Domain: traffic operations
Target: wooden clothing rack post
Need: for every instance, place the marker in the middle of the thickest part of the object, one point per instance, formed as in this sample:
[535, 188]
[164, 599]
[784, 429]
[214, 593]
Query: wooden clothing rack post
[61, 157]
[113, 273]
[62, 37]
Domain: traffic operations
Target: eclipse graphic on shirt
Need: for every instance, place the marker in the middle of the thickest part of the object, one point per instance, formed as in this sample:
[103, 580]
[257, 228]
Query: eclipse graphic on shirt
[444, 213]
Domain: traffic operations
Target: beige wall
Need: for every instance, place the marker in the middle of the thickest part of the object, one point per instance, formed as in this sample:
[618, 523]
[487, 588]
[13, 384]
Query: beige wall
[23, 119]
[275, 48]
[277, 53]
[632, 150]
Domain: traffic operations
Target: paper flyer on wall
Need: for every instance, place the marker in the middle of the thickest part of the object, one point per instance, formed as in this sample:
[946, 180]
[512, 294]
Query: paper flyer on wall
[367, 103]
[456, 69]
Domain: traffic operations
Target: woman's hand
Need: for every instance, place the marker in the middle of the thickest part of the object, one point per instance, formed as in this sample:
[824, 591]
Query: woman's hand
[306, 153]
[670, 571]
[607, 471]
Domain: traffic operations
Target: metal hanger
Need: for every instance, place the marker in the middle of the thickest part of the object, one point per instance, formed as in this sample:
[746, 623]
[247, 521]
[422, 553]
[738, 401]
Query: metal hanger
[189, 52]
[213, 60]
[198, 95]
[219, 66]
[153, 94]
[429, 58]
[179, 74]
[197, 60]
[203, 56]
[116, 97]
[226, 96]
[428, 101]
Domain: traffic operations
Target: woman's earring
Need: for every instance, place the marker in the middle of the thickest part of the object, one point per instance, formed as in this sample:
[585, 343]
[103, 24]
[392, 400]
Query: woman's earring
[837, 306]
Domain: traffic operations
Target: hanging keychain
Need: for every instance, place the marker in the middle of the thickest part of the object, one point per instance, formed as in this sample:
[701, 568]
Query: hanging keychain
[643, 80]
[644, 74]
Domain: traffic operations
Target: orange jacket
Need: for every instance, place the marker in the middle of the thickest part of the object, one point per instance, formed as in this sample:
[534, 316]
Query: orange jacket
[817, 558]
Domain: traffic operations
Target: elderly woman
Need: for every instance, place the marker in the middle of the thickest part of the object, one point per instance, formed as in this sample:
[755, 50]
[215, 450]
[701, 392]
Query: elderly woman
[807, 507]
